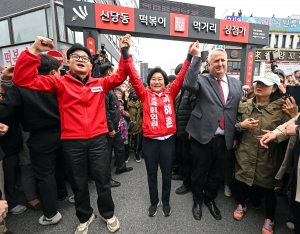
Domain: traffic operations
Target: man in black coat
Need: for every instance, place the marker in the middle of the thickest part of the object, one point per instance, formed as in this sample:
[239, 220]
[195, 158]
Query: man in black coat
[114, 138]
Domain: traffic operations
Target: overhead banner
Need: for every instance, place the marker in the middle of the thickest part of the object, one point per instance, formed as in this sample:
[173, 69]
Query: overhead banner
[276, 24]
[162, 25]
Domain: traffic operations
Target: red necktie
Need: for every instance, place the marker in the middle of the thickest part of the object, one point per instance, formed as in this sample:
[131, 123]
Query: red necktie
[222, 121]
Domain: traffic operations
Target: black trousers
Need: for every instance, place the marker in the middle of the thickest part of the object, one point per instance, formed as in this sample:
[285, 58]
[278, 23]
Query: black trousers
[159, 152]
[184, 159]
[84, 157]
[44, 149]
[137, 142]
[10, 168]
[119, 149]
[208, 168]
[259, 193]
[175, 167]
[229, 168]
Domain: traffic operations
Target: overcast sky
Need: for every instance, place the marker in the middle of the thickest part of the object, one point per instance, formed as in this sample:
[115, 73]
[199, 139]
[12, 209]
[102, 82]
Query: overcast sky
[168, 54]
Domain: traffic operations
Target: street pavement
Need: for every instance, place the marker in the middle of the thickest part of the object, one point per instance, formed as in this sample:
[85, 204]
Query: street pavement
[132, 202]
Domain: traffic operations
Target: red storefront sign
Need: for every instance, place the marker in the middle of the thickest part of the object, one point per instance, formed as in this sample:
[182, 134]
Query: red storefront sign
[249, 68]
[114, 17]
[234, 31]
[179, 25]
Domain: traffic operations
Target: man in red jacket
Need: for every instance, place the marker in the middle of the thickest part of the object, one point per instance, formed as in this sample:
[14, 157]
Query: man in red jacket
[81, 100]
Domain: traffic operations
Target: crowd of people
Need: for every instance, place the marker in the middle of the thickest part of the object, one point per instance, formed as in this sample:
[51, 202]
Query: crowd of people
[201, 127]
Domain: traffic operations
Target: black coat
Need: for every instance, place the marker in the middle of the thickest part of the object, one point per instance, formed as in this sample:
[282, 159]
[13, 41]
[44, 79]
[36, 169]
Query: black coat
[186, 105]
[112, 110]
[37, 111]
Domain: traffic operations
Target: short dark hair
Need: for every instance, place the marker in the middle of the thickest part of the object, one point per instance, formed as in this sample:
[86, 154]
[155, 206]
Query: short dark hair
[296, 71]
[105, 67]
[275, 95]
[178, 68]
[119, 89]
[171, 78]
[205, 72]
[78, 46]
[159, 70]
[48, 63]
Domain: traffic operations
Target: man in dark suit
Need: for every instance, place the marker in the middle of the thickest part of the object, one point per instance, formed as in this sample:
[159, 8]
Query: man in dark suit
[211, 127]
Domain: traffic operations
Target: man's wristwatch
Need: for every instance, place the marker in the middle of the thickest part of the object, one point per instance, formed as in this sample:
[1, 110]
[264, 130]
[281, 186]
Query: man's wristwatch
[297, 129]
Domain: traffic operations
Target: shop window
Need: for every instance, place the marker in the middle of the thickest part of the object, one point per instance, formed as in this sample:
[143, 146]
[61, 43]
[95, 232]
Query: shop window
[257, 68]
[291, 41]
[283, 41]
[4, 39]
[27, 27]
[71, 36]
[79, 37]
[276, 41]
[229, 66]
[49, 23]
[61, 24]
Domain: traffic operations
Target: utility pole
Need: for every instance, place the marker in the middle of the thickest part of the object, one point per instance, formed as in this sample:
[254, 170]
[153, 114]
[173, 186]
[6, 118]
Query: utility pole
[54, 32]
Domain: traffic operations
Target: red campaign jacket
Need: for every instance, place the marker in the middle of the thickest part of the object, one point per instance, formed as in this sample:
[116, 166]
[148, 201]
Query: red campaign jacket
[81, 107]
[158, 111]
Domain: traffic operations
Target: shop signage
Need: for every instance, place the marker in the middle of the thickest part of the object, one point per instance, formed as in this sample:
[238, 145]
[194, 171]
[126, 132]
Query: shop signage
[12, 53]
[262, 55]
[162, 25]
[276, 24]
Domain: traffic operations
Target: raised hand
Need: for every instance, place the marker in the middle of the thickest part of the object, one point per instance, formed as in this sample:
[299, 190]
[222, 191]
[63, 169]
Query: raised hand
[41, 44]
[290, 107]
[194, 49]
[125, 41]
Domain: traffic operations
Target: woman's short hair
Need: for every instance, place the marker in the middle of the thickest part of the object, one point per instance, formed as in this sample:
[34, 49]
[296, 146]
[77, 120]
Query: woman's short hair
[157, 70]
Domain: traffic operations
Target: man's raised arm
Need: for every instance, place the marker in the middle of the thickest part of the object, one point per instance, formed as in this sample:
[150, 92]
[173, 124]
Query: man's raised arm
[26, 73]
[190, 81]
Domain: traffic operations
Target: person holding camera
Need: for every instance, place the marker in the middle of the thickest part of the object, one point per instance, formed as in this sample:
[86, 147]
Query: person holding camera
[159, 127]
[255, 168]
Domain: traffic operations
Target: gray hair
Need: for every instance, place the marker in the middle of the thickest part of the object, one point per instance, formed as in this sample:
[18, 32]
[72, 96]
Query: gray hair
[214, 50]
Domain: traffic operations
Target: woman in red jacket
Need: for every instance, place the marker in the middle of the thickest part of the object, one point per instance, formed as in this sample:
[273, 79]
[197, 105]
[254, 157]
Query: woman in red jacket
[159, 127]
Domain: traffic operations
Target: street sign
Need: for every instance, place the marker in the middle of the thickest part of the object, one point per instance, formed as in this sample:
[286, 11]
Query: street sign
[56, 54]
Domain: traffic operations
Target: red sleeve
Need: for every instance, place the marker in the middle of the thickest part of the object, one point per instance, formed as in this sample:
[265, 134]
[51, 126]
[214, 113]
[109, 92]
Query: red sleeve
[136, 82]
[117, 79]
[178, 82]
[26, 74]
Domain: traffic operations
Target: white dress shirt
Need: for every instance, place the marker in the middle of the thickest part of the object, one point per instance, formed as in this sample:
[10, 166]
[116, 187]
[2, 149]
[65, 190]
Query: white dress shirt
[225, 88]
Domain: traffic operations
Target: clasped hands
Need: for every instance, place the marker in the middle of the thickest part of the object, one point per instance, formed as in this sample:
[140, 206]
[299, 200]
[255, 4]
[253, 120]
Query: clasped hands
[194, 49]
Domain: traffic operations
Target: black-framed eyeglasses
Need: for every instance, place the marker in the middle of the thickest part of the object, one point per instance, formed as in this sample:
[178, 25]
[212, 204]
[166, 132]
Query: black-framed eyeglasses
[76, 57]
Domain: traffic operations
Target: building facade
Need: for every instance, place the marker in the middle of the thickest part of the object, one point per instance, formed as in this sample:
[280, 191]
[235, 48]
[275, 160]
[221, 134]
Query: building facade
[284, 38]
[21, 21]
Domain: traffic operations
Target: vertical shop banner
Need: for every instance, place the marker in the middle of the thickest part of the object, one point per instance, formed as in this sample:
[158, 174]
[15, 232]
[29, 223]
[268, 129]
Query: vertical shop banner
[250, 68]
